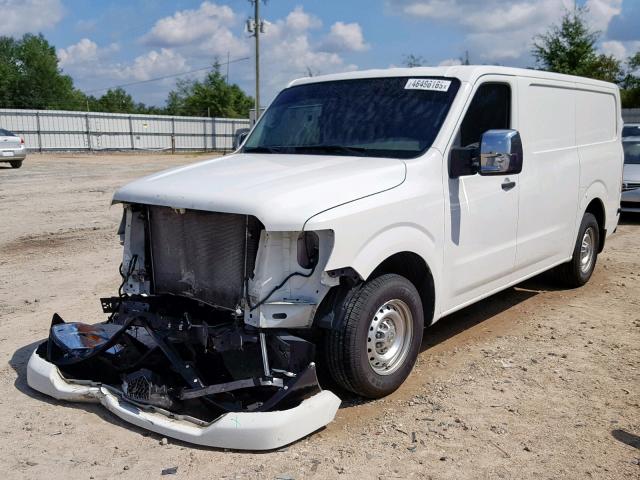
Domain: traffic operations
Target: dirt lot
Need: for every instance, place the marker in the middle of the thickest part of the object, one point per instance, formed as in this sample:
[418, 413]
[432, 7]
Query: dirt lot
[534, 382]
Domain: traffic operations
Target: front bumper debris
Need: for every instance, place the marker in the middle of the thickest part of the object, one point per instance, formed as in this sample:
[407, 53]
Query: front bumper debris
[237, 430]
[181, 369]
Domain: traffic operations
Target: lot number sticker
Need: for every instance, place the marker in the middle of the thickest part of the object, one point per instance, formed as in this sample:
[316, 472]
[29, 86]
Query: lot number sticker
[427, 84]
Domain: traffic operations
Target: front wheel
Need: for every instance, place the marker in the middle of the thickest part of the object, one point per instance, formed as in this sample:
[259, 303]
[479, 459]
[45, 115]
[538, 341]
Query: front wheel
[376, 343]
[577, 271]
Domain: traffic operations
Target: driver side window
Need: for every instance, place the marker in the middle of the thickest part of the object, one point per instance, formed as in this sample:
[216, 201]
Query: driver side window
[489, 109]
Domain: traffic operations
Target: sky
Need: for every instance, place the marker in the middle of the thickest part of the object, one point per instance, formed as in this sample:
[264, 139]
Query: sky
[104, 44]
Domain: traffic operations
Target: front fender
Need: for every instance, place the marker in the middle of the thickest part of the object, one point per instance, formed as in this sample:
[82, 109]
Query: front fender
[408, 218]
[394, 239]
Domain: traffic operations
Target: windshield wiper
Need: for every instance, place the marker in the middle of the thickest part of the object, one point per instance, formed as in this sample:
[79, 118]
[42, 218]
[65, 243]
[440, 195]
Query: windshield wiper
[263, 149]
[339, 149]
[330, 149]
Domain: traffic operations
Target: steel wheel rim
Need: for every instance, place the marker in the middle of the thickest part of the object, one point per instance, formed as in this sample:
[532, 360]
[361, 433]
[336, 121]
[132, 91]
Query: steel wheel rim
[389, 337]
[587, 250]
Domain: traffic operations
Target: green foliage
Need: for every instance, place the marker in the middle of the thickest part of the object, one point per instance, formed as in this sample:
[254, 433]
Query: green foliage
[30, 76]
[630, 94]
[211, 97]
[571, 48]
[116, 101]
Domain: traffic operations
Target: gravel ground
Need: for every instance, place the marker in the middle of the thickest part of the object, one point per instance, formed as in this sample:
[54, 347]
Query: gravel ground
[534, 382]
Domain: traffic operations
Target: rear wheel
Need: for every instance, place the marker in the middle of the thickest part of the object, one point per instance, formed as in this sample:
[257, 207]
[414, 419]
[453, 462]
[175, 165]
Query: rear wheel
[577, 271]
[376, 344]
[16, 164]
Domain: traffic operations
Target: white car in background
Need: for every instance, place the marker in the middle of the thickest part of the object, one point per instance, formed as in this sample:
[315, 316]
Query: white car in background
[631, 175]
[12, 148]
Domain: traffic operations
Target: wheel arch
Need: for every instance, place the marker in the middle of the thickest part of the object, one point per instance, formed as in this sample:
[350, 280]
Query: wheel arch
[594, 201]
[414, 268]
[596, 208]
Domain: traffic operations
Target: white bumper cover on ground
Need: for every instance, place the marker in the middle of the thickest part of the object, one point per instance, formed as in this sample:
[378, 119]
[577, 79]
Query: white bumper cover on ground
[242, 431]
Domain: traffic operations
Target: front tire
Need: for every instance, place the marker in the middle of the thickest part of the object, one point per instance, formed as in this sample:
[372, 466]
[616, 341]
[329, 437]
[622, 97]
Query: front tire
[16, 164]
[577, 271]
[377, 340]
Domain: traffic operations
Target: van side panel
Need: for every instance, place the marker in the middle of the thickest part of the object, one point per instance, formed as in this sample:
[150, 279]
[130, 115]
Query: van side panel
[600, 151]
[550, 174]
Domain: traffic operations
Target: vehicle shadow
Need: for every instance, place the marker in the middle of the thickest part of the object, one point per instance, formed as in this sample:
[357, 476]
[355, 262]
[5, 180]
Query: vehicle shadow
[626, 438]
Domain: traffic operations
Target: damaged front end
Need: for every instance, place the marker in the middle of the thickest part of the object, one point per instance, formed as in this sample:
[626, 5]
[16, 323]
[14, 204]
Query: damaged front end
[198, 344]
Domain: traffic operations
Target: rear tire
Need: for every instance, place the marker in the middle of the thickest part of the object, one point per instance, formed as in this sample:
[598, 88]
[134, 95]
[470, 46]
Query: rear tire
[377, 340]
[16, 164]
[577, 271]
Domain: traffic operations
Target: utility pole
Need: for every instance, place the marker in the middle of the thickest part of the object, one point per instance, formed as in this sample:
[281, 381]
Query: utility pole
[256, 27]
[228, 61]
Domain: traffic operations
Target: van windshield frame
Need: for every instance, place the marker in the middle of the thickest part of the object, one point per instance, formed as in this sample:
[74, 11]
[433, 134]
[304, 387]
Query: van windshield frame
[365, 117]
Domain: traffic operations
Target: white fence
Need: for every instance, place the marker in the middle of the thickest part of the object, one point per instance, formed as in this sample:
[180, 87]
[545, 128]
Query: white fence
[47, 130]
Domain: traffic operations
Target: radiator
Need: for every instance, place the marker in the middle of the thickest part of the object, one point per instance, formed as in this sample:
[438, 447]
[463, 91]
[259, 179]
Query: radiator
[202, 254]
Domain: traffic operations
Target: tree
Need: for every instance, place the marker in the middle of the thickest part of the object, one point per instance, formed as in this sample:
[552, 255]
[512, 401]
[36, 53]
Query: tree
[211, 97]
[116, 101]
[412, 60]
[30, 76]
[571, 48]
[630, 84]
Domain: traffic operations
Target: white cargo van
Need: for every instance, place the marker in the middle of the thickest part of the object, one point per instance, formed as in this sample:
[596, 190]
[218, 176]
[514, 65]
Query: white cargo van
[361, 208]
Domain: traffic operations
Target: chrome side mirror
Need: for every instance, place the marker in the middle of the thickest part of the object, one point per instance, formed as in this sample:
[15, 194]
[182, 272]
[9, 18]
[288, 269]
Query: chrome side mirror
[500, 152]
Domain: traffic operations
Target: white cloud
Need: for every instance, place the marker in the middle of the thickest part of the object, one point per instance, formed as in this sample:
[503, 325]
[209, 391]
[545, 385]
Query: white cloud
[94, 67]
[290, 53]
[83, 52]
[614, 48]
[602, 11]
[503, 30]
[155, 64]
[495, 30]
[291, 47]
[300, 21]
[22, 16]
[345, 37]
[187, 27]
[620, 50]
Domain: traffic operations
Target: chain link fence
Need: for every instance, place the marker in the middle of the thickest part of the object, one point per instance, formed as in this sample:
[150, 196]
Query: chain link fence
[51, 130]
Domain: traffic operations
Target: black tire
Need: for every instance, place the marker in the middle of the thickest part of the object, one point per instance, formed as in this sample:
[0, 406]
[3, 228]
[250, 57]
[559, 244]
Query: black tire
[16, 164]
[574, 273]
[347, 347]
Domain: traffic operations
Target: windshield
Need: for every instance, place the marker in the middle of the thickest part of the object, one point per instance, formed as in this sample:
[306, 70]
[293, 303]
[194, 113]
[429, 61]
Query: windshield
[371, 117]
[631, 131]
[632, 152]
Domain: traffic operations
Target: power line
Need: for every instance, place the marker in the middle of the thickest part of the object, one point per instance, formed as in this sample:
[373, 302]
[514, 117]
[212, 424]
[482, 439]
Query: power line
[164, 77]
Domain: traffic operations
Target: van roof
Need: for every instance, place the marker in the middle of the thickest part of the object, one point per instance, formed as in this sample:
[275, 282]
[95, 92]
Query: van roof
[465, 73]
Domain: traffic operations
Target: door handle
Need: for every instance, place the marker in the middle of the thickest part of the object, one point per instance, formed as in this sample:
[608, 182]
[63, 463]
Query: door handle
[508, 185]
